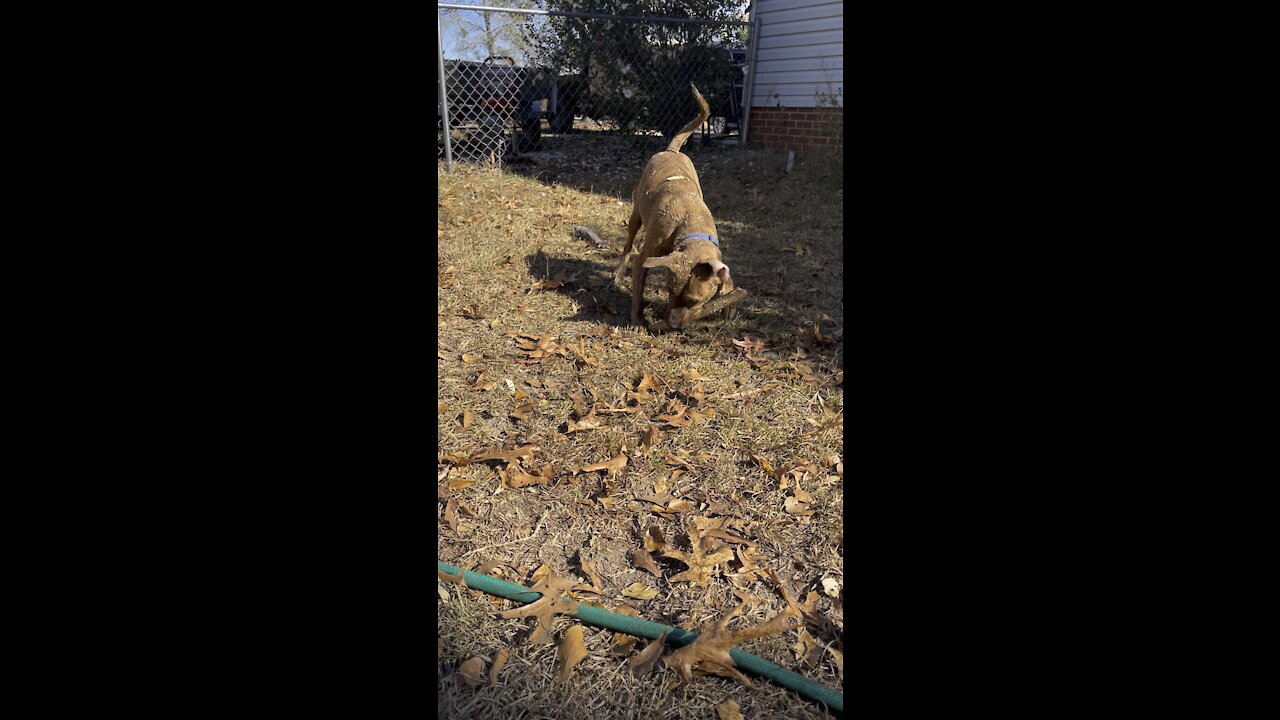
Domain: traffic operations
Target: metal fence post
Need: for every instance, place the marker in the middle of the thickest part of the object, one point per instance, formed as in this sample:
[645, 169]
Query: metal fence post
[747, 89]
[444, 101]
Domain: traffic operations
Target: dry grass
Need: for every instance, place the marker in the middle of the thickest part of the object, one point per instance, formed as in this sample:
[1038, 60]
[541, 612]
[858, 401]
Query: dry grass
[502, 232]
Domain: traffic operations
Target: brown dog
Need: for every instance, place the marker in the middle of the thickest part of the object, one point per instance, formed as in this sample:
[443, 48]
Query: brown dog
[679, 232]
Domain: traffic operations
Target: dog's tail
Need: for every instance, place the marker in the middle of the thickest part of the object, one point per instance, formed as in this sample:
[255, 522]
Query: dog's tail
[704, 112]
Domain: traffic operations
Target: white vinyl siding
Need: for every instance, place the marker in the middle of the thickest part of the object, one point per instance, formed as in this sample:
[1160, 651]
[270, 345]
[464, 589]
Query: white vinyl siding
[800, 52]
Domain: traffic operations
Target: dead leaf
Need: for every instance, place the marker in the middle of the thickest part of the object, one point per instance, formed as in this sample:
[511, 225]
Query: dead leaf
[611, 466]
[653, 539]
[460, 578]
[650, 438]
[713, 644]
[497, 665]
[795, 506]
[442, 408]
[451, 515]
[472, 671]
[622, 644]
[648, 382]
[468, 358]
[643, 560]
[672, 459]
[696, 395]
[542, 571]
[692, 375]
[839, 660]
[729, 710]
[477, 387]
[551, 602]
[570, 652]
[643, 662]
[676, 419]
[522, 412]
[765, 464]
[590, 422]
[590, 572]
[581, 352]
[518, 478]
[509, 456]
[639, 591]
[579, 404]
[701, 564]
[831, 587]
[807, 649]
[467, 415]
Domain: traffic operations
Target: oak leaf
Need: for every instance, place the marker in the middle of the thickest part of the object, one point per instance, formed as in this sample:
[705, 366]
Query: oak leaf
[711, 648]
[551, 602]
[701, 564]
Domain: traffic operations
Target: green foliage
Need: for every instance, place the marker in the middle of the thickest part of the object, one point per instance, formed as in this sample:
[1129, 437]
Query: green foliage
[636, 75]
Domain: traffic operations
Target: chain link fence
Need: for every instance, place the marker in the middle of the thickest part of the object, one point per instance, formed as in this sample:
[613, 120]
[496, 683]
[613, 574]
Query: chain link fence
[517, 81]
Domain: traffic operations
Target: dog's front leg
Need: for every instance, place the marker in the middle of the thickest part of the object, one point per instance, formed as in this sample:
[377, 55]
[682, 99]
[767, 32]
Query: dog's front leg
[638, 273]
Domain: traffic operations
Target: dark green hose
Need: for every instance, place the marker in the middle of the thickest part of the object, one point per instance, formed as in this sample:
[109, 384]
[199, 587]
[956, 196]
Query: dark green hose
[648, 629]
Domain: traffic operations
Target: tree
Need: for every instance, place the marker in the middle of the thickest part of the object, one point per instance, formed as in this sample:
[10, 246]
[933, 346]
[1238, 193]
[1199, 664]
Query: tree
[475, 35]
[637, 75]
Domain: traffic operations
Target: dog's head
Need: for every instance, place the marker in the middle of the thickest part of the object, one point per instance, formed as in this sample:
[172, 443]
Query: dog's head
[693, 278]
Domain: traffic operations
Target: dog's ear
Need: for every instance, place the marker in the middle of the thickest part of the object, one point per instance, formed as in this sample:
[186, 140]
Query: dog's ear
[665, 261]
[722, 272]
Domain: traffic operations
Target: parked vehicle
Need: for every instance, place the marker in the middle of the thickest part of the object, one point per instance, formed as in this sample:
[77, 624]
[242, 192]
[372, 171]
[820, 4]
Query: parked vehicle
[491, 101]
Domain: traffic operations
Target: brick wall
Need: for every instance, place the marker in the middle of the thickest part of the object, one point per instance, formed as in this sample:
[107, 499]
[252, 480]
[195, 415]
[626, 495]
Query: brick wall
[798, 129]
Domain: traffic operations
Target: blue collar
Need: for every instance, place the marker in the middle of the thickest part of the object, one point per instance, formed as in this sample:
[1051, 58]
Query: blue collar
[698, 236]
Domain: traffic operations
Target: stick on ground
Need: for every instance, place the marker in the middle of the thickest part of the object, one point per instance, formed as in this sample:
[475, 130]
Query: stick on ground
[714, 304]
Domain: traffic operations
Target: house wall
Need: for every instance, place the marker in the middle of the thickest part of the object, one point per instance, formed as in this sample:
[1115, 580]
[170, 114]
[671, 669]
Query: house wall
[799, 69]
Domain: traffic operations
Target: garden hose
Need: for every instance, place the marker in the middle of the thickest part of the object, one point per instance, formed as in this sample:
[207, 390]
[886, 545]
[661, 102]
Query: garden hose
[645, 628]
